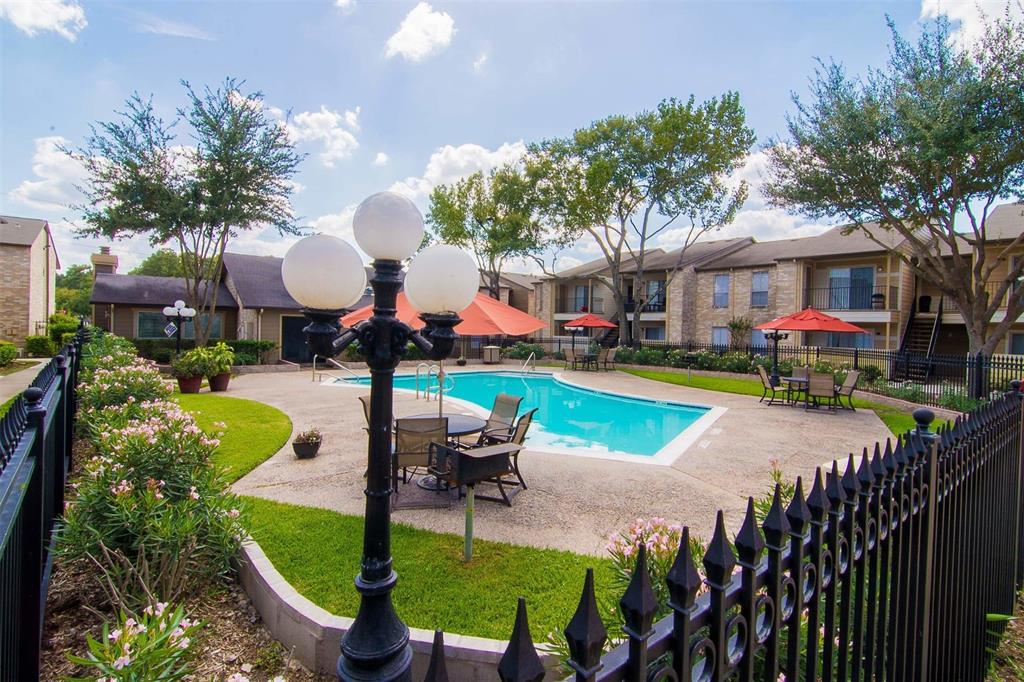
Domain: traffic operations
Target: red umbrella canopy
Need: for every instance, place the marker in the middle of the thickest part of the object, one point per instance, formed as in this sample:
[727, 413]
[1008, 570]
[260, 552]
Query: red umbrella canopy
[811, 320]
[590, 320]
[485, 316]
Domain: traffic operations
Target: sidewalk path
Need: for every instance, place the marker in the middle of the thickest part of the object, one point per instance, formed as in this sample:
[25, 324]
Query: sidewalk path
[13, 384]
[573, 503]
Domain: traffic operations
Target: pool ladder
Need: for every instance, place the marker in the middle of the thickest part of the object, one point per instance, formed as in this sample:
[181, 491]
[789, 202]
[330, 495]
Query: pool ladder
[433, 370]
[319, 376]
[532, 359]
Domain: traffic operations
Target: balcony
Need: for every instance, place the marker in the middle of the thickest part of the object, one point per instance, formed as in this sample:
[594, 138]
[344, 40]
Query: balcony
[578, 305]
[655, 306]
[852, 297]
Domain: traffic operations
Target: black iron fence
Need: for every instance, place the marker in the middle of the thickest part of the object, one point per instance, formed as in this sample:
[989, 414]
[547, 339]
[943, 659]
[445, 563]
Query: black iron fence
[887, 570]
[35, 457]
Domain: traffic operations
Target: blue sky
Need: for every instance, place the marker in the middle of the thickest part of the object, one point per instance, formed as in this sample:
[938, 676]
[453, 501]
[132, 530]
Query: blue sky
[405, 95]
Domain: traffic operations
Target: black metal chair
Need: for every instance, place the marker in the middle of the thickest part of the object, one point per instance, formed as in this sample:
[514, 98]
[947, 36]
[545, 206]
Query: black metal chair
[769, 388]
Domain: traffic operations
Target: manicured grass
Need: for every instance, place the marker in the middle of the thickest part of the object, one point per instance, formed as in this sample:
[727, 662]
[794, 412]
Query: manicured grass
[16, 366]
[253, 431]
[898, 420]
[318, 552]
[5, 406]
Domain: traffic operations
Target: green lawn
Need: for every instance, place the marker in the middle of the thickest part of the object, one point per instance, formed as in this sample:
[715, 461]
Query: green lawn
[897, 419]
[16, 366]
[254, 431]
[318, 552]
[6, 405]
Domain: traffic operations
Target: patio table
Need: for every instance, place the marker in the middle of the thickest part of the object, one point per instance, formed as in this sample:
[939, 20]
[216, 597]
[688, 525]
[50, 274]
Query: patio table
[796, 384]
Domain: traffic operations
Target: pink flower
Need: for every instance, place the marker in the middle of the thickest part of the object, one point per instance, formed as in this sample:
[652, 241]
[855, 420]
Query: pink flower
[233, 514]
[122, 662]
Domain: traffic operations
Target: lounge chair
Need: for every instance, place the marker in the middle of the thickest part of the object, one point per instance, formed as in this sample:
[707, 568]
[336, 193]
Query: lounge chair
[518, 436]
[821, 386]
[502, 418]
[412, 444]
[766, 383]
[610, 358]
[847, 389]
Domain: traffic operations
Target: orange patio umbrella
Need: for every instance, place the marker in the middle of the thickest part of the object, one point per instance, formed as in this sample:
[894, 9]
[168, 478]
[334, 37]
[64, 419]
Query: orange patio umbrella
[485, 316]
[807, 320]
[589, 320]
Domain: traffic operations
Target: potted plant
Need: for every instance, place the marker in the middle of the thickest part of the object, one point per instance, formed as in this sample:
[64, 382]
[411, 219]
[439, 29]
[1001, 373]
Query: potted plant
[188, 369]
[461, 362]
[219, 359]
[307, 443]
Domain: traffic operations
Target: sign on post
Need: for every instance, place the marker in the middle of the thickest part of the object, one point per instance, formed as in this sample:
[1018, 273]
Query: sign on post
[170, 329]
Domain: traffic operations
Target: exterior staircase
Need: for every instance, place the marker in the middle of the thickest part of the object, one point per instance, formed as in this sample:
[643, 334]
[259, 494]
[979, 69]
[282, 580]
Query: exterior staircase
[610, 337]
[917, 347]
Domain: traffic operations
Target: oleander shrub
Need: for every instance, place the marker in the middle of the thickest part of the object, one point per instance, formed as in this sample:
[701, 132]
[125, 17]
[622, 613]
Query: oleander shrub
[955, 399]
[870, 373]
[114, 380]
[8, 353]
[40, 347]
[156, 644]
[522, 351]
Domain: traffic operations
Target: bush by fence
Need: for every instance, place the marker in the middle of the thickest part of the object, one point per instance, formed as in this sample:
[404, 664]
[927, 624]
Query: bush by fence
[247, 351]
[8, 353]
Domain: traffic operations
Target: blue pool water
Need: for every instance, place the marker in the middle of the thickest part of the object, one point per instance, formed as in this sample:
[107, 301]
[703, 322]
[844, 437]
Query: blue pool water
[573, 418]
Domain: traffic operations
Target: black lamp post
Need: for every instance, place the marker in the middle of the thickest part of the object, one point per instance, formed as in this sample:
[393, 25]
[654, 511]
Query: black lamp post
[326, 275]
[774, 335]
[180, 313]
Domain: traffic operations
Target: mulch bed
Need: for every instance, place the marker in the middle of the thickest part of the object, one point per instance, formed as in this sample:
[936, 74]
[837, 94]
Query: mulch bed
[232, 641]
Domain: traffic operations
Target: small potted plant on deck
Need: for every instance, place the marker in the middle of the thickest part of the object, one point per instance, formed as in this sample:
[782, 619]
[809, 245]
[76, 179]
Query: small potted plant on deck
[188, 369]
[307, 443]
[219, 360]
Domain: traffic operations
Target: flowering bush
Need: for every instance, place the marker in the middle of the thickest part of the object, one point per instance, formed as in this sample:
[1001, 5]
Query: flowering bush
[151, 511]
[155, 646]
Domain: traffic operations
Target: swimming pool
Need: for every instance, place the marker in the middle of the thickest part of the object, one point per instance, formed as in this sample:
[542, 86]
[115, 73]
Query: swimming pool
[576, 420]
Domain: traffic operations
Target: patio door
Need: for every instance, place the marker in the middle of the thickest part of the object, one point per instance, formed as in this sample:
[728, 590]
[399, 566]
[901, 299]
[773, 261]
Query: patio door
[850, 288]
[293, 340]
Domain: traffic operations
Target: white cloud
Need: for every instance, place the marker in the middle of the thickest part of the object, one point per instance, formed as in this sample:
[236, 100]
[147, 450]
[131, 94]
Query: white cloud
[328, 127]
[449, 163]
[346, 6]
[338, 224]
[480, 62]
[64, 17]
[381, 159]
[969, 15]
[423, 33]
[148, 23]
[58, 174]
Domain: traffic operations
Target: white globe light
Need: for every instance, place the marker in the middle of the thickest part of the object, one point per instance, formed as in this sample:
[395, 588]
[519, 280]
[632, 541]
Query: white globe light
[179, 303]
[323, 272]
[442, 279]
[170, 311]
[388, 226]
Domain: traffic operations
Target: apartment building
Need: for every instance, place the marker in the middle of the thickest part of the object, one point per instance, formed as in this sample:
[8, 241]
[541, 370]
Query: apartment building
[28, 271]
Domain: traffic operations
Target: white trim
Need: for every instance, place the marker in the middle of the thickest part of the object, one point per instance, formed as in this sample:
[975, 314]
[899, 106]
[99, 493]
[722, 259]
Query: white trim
[665, 456]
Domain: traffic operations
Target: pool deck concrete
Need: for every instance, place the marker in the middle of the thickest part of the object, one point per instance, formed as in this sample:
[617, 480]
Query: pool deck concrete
[573, 502]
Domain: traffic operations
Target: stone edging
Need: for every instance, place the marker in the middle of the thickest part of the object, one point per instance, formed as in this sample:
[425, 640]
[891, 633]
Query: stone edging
[314, 636]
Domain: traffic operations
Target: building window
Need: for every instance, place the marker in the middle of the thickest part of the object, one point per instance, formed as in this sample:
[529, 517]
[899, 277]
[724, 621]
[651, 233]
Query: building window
[720, 336]
[759, 289]
[654, 333]
[1017, 344]
[150, 325]
[844, 340]
[721, 299]
[757, 338]
[655, 295]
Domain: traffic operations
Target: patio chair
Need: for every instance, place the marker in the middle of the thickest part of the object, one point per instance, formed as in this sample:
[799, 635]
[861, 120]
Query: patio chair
[602, 358]
[800, 372]
[503, 416]
[847, 389]
[365, 400]
[412, 445]
[518, 436]
[821, 387]
[610, 358]
[570, 358]
[766, 383]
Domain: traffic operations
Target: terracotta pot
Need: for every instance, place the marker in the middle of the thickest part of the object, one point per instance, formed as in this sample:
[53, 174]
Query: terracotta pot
[190, 384]
[306, 450]
[219, 382]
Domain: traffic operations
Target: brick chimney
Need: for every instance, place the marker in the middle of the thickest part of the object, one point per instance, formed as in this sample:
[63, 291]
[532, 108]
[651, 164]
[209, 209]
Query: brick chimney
[103, 262]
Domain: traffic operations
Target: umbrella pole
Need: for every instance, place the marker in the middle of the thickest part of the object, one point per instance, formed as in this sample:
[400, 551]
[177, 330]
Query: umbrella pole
[440, 387]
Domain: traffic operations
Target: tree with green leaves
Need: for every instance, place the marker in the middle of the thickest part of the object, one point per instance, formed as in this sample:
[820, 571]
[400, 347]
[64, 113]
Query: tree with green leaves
[161, 263]
[72, 290]
[625, 181]
[915, 155]
[492, 215]
[232, 174]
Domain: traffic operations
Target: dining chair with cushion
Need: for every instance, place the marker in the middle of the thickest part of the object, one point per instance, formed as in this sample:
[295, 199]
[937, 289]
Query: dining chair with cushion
[821, 387]
[412, 445]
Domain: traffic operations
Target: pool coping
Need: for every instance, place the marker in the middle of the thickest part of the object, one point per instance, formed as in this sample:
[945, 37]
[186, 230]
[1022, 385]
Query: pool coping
[665, 456]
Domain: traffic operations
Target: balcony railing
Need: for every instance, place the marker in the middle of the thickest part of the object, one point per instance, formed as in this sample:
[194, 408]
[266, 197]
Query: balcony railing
[657, 306]
[992, 288]
[852, 297]
[574, 304]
